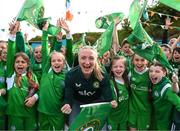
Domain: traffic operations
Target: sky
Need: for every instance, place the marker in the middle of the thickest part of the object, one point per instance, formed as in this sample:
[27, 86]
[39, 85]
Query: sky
[85, 13]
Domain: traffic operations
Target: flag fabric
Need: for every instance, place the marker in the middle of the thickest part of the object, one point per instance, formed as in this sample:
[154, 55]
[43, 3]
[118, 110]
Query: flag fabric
[31, 11]
[78, 44]
[161, 57]
[175, 4]
[139, 36]
[92, 117]
[52, 29]
[135, 11]
[143, 45]
[104, 21]
[104, 43]
[69, 15]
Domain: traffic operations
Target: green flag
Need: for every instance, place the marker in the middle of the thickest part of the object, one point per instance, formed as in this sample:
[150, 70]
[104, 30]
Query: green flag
[161, 57]
[52, 29]
[31, 11]
[143, 45]
[152, 53]
[175, 4]
[139, 36]
[104, 21]
[135, 12]
[78, 44]
[92, 117]
[104, 43]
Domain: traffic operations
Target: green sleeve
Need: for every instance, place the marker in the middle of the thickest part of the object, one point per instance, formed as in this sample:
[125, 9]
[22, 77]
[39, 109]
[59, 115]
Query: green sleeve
[69, 53]
[20, 43]
[173, 98]
[11, 51]
[45, 52]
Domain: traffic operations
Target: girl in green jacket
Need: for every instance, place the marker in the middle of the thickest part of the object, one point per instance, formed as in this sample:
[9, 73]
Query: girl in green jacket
[118, 117]
[21, 87]
[51, 93]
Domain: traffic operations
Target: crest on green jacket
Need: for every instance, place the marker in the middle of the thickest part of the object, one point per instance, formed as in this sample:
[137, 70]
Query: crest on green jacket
[96, 84]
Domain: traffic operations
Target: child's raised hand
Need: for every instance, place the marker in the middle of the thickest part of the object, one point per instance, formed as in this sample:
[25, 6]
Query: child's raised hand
[63, 25]
[14, 27]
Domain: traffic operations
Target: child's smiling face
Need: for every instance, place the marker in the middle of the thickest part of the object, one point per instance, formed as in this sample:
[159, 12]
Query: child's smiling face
[57, 62]
[118, 67]
[20, 65]
[139, 63]
[176, 56]
[37, 54]
[156, 73]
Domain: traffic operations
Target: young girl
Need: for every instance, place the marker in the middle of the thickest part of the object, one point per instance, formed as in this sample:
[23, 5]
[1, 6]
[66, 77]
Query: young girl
[163, 97]
[119, 82]
[20, 83]
[51, 92]
[139, 105]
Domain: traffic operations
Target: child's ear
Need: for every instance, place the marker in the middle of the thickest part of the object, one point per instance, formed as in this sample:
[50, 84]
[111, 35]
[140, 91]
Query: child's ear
[164, 73]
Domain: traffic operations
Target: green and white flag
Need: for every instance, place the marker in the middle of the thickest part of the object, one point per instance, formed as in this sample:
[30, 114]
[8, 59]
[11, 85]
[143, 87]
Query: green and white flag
[104, 21]
[135, 11]
[143, 45]
[92, 117]
[31, 11]
[78, 44]
[161, 57]
[104, 43]
[175, 4]
[139, 36]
